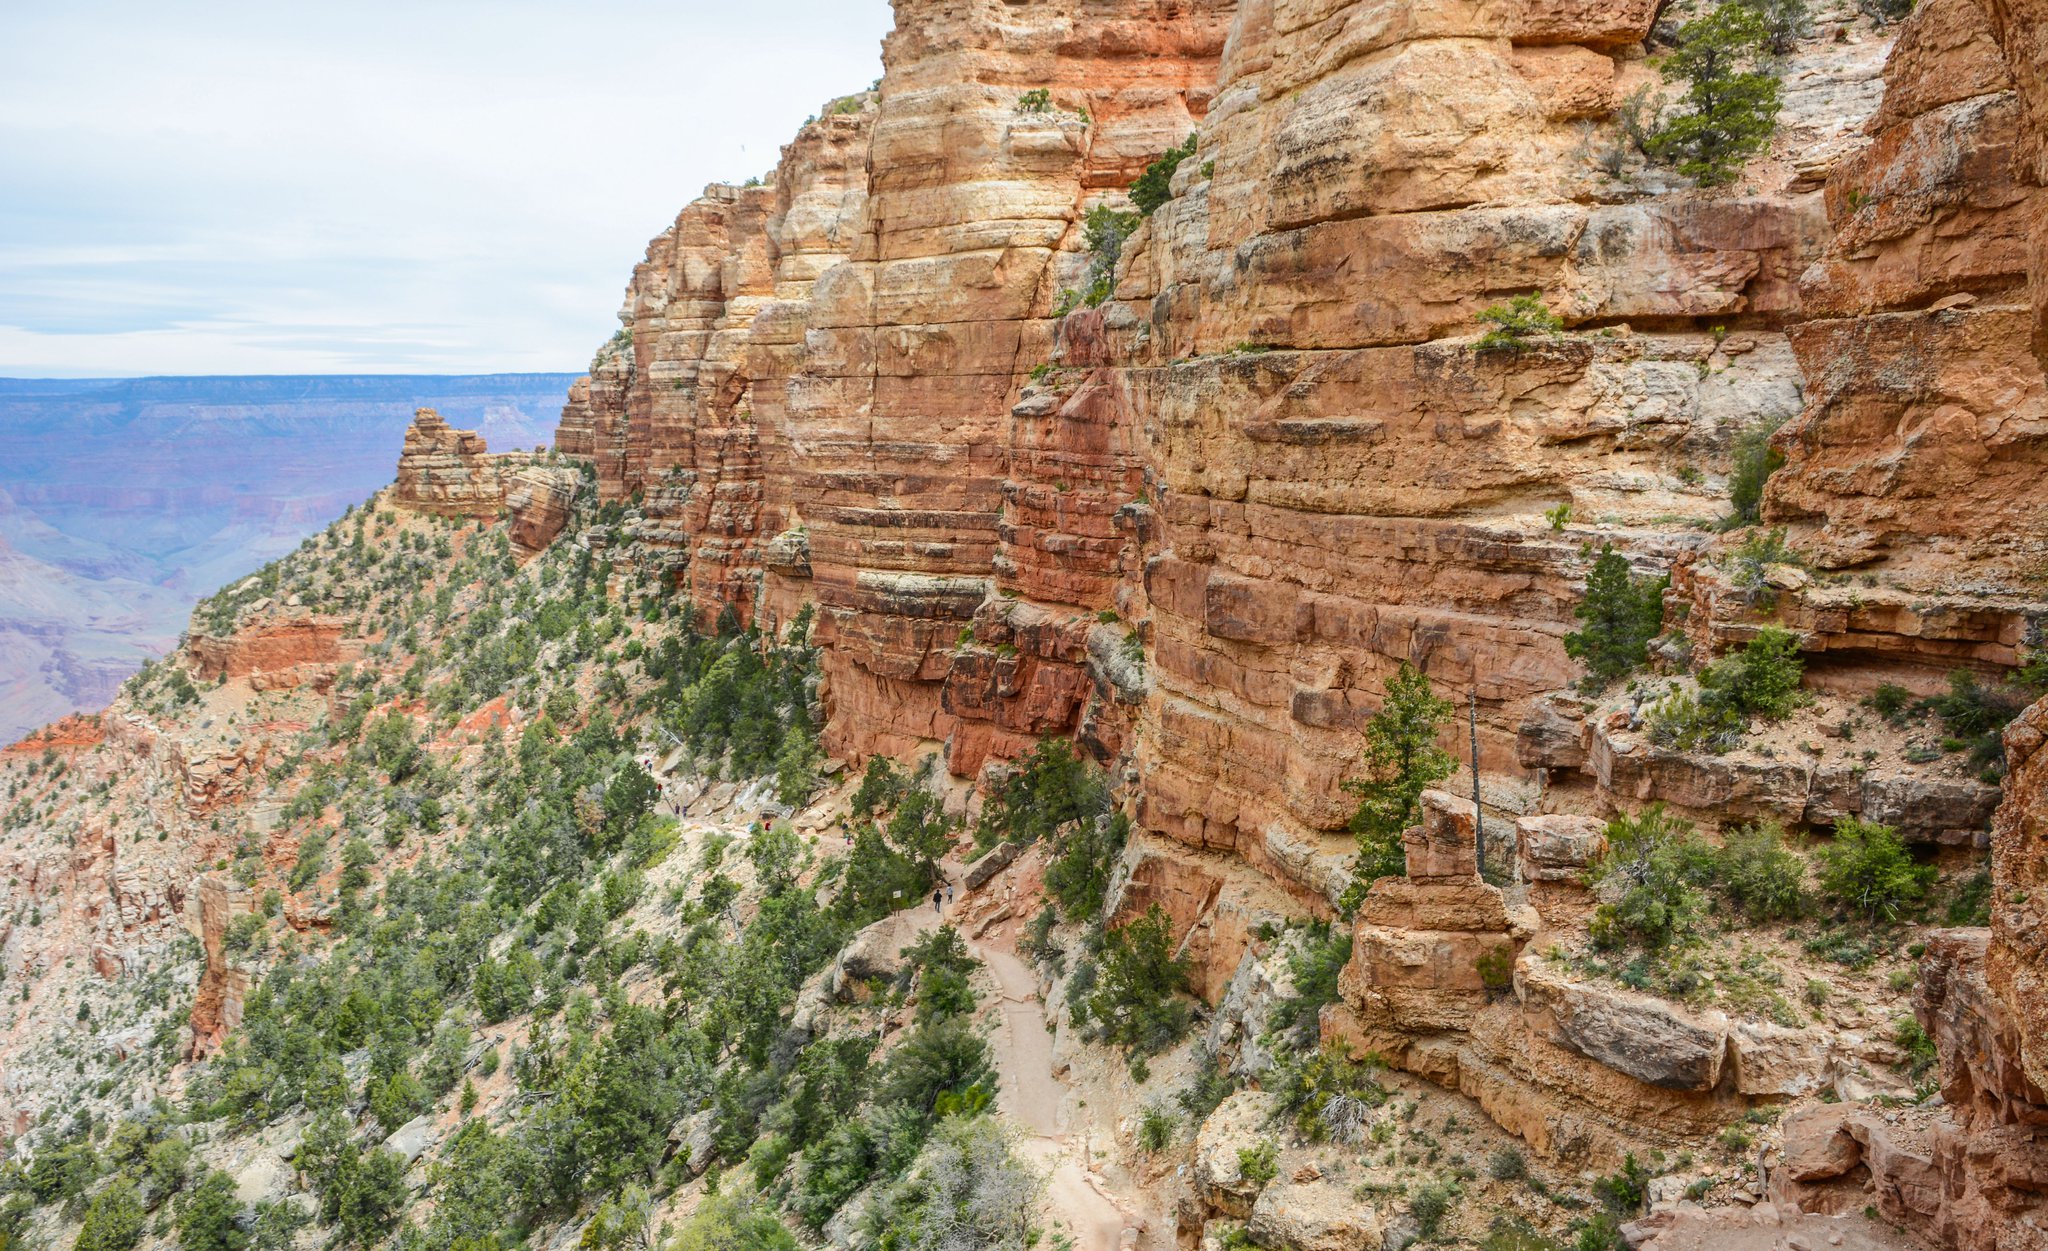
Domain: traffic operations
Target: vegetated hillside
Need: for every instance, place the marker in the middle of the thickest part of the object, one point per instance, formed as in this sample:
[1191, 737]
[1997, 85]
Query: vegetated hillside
[122, 501]
[1446, 662]
[441, 895]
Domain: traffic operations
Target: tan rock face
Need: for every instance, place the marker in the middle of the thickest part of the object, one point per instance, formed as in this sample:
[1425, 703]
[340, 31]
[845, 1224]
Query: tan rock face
[446, 471]
[840, 352]
[1926, 428]
[537, 502]
[1199, 526]
[2017, 968]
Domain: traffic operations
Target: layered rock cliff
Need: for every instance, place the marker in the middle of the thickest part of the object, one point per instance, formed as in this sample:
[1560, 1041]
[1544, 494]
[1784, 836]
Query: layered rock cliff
[1197, 527]
[1200, 525]
[1189, 497]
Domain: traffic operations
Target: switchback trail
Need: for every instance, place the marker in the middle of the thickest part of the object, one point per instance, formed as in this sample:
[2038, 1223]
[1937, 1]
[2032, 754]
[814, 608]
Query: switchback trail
[1035, 1099]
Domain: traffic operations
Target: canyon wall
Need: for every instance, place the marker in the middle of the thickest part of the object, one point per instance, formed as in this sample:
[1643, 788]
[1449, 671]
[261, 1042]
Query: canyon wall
[1199, 525]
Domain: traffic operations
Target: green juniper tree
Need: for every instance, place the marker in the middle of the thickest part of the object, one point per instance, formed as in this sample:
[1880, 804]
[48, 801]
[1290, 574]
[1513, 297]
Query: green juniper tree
[1402, 760]
[1731, 100]
[1137, 1000]
[1755, 460]
[1154, 186]
[1622, 614]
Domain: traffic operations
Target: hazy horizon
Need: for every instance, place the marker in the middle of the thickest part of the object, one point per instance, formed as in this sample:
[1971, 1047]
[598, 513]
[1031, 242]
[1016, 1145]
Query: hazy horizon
[125, 500]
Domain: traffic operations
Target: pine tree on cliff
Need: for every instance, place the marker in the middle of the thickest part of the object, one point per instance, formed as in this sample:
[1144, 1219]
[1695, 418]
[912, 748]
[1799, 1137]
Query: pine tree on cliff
[1622, 614]
[1732, 95]
[1402, 760]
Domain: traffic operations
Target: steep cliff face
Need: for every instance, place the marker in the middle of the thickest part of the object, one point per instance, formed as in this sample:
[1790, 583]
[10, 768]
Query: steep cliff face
[1194, 522]
[1198, 525]
[1203, 523]
[816, 399]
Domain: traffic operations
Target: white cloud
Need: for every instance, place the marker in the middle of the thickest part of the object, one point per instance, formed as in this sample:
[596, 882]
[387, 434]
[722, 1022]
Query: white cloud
[440, 185]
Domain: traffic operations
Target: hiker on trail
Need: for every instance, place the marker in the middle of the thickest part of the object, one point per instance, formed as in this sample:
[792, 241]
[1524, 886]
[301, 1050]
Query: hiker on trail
[938, 899]
[949, 894]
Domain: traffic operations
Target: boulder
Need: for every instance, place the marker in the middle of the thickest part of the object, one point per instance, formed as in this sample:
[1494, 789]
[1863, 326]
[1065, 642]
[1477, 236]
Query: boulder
[1553, 734]
[1558, 848]
[1445, 846]
[1647, 1039]
[411, 1140]
[877, 951]
[1238, 1123]
[998, 858]
[1244, 1013]
[1817, 1143]
[1773, 1061]
[1317, 1216]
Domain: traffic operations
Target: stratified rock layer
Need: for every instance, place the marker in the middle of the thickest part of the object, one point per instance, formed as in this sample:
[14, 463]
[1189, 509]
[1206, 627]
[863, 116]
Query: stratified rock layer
[446, 471]
[1198, 525]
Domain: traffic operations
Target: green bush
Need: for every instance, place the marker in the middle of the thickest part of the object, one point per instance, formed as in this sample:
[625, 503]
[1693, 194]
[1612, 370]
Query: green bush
[1662, 862]
[968, 1189]
[938, 967]
[1259, 1164]
[1077, 877]
[1103, 231]
[1402, 760]
[1155, 1129]
[113, 1220]
[1136, 1002]
[1730, 106]
[1760, 680]
[1313, 966]
[1430, 1204]
[1601, 1232]
[1155, 186]
[725, 1223]
[1785, 23]
[1890, 701]
[1625, 1192]
[1329, 1093]
[1051, 789]
[1496, 969]
[1512, 324]
[1760, 875]
[1977, 712]
[1970, 903]
[1750, 562]
[1507, 1164]
[1883, 11]
[1763, 679]
[1866, 870]
[1683, 721]
[1209, 1084]
[206, 1221]
[1919, 1048]
[1621, 615]
[942, 1056]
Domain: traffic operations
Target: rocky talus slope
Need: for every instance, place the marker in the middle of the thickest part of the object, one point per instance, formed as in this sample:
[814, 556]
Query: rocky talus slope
[559, 849]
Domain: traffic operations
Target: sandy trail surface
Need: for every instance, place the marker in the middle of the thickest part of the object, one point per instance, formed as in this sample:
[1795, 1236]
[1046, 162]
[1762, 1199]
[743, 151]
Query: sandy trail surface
[1035, 1099]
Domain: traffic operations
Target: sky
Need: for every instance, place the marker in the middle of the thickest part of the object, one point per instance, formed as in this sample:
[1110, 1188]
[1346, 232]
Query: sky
[374, 186]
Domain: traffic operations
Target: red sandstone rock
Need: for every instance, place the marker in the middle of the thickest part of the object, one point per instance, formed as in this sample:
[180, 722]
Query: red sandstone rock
[537, 503]
[446, 471]
[273, 654]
